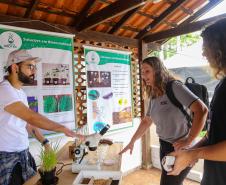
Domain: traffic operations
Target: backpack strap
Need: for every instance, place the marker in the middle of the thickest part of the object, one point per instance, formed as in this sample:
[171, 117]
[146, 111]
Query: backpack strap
[174, 100]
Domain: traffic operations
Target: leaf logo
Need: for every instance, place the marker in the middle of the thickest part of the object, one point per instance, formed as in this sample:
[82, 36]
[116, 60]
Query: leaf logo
[10, 40]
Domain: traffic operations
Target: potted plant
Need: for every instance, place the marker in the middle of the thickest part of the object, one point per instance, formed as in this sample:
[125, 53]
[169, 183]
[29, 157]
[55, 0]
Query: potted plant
[55, 76]
[64, 74]
[47, 78]
[48, 164]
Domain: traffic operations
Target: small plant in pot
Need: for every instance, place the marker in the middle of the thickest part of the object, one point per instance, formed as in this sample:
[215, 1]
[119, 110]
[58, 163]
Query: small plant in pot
[64, 74]
[47, 78]
[49, 161]
[55, 76]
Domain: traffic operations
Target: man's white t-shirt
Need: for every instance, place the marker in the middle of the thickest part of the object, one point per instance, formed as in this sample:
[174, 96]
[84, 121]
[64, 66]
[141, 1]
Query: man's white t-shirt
[13, 133]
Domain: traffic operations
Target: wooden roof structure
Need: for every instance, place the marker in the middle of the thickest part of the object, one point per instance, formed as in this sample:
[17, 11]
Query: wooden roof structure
[122, 21]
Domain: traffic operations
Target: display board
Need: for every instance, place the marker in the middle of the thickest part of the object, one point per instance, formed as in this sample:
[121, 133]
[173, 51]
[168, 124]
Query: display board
[108, 88]
[51, 94]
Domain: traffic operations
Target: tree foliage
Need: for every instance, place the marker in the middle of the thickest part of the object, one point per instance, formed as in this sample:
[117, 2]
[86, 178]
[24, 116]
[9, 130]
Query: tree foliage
[176, 45]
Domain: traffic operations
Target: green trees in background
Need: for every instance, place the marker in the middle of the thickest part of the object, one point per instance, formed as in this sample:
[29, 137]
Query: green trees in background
[176, 45]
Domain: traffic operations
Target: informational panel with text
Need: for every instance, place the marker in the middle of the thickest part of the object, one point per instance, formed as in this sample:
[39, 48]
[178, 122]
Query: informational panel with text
[51, 94]
[108, 88]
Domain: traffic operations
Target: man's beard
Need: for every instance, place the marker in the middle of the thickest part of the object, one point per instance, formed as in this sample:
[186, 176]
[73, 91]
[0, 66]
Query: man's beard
[24, 78]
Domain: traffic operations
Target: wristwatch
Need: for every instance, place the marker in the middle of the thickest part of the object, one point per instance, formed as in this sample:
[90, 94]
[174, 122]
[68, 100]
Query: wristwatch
[44, 142]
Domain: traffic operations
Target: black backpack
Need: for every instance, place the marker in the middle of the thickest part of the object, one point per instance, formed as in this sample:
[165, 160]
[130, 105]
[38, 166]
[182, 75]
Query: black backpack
[198, 89]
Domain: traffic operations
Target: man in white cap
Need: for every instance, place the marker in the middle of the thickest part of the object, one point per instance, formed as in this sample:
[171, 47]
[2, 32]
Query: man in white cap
[16, 119]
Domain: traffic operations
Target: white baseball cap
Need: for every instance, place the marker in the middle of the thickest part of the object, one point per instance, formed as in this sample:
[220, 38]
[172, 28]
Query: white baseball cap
[18, 56]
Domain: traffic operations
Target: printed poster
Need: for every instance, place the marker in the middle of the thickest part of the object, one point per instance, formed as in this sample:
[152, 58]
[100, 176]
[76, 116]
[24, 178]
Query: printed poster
[109, 99]
[51, 94]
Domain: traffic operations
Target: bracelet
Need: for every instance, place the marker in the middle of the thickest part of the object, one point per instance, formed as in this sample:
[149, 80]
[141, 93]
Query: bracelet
[44, 142]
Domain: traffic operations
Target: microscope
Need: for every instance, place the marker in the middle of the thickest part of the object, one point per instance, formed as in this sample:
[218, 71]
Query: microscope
[80, 151]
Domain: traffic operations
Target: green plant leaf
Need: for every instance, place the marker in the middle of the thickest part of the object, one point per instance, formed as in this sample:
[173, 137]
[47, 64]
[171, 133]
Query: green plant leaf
[49, 157]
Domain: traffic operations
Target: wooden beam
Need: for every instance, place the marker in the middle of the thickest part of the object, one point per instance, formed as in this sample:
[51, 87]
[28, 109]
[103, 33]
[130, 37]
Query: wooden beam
[13, 3]
[159, 20]
[147, 15]
[133, 29]
[105, 37]
[171, 24]
[187, 10]
[31, 9]
[30, 24]
[88, 35]
[197, 14]
[113, 10]
[182, 8]
[202, 11]
[105, 1]
[47, 10]
[57, 12]
[146, 138]
[182, 29]
[83, 14]
[123, 20]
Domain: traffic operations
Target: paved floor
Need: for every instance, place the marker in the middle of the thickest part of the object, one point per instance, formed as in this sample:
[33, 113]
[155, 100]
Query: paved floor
[147, 177]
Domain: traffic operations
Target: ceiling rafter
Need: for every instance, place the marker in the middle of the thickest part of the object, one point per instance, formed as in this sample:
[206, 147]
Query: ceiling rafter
[147, 15]
[31, 8]
[86, 35]
[159, 20]
[194, 17]
[82, 15]
[105, 1]
[171, 24]
[182, 29]
[57, 12]
[125, 27]
[202, 11]
[113, 10]
[47, 10]
[123, 20]
[13, 3]
[187, 10]
[133, 29]
[184, 9]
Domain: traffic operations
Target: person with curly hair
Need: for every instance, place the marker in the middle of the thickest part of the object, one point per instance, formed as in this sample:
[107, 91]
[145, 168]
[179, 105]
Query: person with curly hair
[212, 147]
[172, 127]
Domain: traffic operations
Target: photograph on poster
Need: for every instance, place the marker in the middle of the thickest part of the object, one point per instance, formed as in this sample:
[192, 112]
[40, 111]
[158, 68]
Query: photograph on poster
[55, 74]
[99, 78]
[123, 113]
[123, 116]
[33, 103]
[57, 103]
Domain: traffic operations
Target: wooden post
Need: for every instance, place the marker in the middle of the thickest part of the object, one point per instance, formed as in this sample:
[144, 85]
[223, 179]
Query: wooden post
[146, 139]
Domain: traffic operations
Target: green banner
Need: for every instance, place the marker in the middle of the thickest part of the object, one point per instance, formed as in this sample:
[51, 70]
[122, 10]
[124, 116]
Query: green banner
[22, 40]
[111, 57]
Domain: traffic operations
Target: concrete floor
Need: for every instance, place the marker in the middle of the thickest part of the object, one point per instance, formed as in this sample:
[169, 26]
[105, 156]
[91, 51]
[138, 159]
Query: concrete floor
[147, 177]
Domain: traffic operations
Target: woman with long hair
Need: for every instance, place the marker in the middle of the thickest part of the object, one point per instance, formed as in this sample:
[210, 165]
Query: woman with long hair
[212, 147]
[172, 126]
